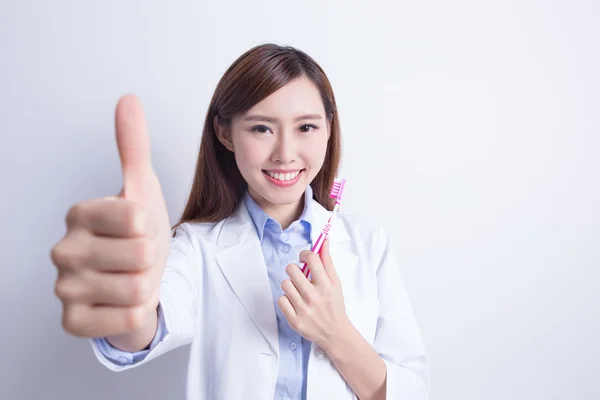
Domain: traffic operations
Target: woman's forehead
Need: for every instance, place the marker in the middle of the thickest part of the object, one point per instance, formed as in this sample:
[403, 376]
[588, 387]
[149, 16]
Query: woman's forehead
[296, 100]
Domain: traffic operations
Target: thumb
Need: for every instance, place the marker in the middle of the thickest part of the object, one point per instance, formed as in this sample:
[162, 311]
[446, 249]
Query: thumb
[328, 262]
[134, 149]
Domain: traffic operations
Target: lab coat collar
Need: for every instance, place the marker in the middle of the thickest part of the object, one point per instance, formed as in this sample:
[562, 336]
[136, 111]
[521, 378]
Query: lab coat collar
[239, 225]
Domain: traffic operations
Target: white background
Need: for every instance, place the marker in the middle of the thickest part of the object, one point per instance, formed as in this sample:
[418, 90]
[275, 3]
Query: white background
[470, 130]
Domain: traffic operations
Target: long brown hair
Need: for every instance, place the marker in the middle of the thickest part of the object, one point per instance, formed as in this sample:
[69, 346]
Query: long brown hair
[218, 185]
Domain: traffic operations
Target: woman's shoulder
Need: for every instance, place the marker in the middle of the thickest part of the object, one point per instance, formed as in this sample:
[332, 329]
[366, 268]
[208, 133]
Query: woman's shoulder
[194, 231]
[362, 226]
[368, 237]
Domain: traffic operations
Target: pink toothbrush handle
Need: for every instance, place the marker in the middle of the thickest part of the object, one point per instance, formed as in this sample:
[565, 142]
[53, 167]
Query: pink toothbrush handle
[315, 249]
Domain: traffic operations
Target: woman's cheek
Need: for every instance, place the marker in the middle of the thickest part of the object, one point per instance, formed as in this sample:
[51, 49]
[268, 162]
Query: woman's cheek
[255, 154]
[316, 152]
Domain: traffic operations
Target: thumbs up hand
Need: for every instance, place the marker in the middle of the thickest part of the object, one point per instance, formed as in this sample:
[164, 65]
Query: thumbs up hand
[111, 260]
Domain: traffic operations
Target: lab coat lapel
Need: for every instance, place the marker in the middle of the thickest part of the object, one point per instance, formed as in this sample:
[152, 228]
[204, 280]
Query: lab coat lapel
[242, 262]
[319, 217]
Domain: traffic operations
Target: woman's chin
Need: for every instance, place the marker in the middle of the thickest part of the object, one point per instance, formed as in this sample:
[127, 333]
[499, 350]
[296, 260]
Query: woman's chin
[278, 197]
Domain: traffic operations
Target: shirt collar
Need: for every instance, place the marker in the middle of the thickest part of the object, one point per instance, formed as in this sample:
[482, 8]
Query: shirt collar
[260, 218]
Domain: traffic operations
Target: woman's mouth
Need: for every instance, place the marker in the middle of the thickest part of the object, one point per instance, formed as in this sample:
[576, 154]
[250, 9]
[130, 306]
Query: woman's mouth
[283, 178]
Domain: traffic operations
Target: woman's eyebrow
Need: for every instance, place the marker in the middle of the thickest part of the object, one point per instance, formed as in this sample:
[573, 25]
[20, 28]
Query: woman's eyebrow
[271, 119]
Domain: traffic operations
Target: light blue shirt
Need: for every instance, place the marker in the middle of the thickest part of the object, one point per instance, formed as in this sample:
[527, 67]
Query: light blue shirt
[280, 248]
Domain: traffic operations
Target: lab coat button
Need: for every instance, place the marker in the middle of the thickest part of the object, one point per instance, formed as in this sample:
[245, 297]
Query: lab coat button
[319, 352]
[285, 248]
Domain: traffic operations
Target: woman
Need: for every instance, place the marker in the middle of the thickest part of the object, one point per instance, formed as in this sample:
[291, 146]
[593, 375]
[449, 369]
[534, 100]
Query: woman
[227, 280]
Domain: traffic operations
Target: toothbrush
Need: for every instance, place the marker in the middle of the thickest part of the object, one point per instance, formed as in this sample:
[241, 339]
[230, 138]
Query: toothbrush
[336, 193]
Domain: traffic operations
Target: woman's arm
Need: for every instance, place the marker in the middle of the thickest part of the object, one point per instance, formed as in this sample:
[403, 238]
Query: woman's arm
[397, 338]
[358, 363]
[179, 285]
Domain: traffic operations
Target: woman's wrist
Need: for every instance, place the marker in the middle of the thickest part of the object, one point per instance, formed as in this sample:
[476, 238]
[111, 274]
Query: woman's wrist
[338, 342]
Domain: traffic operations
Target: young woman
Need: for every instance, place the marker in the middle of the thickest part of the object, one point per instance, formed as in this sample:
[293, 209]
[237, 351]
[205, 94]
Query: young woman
[225, 278]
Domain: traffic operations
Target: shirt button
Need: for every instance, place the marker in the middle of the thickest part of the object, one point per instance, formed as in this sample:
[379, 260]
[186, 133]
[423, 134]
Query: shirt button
[293, 346]
[123, 360]
[285, 237]
[285, 248]
[319, 352]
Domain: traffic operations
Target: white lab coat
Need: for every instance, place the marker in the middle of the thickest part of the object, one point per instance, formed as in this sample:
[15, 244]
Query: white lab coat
[215, 294]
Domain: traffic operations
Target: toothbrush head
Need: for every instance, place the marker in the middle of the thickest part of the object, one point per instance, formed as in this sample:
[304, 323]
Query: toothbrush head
[337, 189]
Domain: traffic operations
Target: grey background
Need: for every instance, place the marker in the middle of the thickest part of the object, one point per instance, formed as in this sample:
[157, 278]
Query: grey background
[470, 130]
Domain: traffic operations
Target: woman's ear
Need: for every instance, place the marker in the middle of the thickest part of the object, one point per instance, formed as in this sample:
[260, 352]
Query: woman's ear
[223, 133]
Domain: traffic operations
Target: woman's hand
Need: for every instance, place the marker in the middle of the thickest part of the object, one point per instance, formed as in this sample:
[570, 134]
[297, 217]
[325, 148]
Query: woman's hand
[111, 260]
[315, 309]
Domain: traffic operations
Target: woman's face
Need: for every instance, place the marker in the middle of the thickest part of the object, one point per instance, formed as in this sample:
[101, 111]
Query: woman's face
[280, 143]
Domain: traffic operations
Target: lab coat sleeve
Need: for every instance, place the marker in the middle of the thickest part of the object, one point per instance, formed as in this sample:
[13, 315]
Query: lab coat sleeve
[121, 357]
[398, 339]
[178, 292]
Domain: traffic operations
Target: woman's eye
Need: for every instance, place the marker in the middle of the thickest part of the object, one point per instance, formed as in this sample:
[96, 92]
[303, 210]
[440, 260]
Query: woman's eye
[308, 127]
[260, 129]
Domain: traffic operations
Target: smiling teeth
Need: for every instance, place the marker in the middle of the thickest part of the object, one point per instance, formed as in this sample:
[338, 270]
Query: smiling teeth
[283, 177]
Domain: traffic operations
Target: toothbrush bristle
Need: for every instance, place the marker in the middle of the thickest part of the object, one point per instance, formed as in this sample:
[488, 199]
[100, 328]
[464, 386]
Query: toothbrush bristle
[337, 189]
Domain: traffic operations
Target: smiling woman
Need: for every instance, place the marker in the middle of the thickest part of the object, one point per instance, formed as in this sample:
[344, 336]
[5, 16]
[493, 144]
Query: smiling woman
[227, 280]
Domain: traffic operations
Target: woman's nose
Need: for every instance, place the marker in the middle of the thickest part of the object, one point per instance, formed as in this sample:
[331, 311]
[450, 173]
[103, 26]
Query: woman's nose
[284, 151]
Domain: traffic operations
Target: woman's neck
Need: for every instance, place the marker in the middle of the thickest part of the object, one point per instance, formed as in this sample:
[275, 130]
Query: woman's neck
[285, 214]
